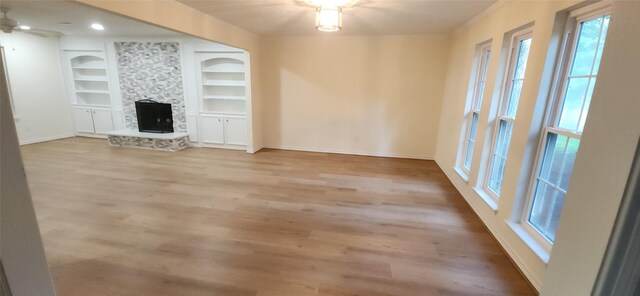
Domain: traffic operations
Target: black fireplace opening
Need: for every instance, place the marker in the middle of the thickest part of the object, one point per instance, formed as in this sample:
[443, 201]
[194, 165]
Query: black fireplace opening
[154, 117]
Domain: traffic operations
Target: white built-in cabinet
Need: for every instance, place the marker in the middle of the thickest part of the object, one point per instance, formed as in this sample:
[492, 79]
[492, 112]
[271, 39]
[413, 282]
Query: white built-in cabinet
[92, 120]
[222, 99]
[223, 130]
[87, 77]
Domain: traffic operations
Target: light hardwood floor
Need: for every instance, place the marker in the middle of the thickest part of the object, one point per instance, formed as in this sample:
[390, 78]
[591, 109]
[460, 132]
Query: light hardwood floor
[122, 221]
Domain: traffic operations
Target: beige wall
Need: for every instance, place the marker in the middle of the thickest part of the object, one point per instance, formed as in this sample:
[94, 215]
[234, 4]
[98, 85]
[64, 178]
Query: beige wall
[359, 95]
[492, 25]
[178, 17]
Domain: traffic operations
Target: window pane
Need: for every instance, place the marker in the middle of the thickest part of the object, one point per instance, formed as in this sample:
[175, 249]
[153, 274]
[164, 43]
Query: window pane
[572, 103]
[538, 213]
[558, 157]
[486, 65]
[468, 155]
[504, 138]
[497, 172]
[471, 141]
[569, 161]
[546, 211]
[483, 78]
[478, 102]
[557, 165]
[514, 97]
[500, 154]
[547, 160]
[523, 56]
[587, 103]
[586, 49]
[518, 76]
[603, 37]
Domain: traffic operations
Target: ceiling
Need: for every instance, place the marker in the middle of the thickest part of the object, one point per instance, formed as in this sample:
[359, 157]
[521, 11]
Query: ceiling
[74, 19]
[365, 17]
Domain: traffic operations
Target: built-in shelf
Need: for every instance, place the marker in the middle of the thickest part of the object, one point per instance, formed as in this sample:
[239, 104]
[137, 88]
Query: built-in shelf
[223, 83]
[89, 78]
[91, 105]
[241, 98]
[97, 79]
[105, 92]
[223, 72]
[225, 113]
[87, 68]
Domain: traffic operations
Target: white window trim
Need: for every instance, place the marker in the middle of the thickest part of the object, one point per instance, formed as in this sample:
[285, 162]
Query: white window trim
[516, 37]
[523, 228]
[475, 106]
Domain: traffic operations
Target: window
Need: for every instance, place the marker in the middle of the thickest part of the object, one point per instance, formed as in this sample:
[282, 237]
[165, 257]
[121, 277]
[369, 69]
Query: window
[507, 108]
[479, 81]
[563, 128]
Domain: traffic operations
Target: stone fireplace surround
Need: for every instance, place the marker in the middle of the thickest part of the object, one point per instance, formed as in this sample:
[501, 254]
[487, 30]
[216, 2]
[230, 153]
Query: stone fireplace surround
[150, 70]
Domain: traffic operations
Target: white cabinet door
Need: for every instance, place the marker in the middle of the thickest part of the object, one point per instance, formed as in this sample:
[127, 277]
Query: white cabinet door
[83, 120]
[235, 131]
[102, 120]
[211, 130]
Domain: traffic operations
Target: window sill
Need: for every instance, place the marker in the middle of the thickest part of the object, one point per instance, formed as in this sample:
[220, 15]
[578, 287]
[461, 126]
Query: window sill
[487, 199]
[461, 173]
[540, 250]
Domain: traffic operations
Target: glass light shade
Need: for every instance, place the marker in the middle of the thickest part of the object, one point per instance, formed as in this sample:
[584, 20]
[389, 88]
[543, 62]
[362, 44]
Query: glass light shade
[329, 18]
[336, 3]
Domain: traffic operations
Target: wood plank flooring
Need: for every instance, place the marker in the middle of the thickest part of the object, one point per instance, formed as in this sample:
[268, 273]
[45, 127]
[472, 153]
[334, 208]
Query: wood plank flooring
[122, 221]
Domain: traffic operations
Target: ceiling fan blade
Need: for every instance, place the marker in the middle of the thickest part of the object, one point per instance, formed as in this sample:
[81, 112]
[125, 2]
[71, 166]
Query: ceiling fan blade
[35, 33]
[47, 32]
[40, 32]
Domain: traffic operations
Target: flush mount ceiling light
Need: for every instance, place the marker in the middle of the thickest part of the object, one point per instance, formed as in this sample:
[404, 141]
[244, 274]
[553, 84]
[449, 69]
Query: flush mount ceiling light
[334, 3]
[97, 27]
[329, 13]
[328, 18]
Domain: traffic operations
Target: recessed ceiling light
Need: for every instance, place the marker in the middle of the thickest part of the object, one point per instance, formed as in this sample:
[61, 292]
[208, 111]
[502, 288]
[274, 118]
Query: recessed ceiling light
[97, 27]
[24, 27]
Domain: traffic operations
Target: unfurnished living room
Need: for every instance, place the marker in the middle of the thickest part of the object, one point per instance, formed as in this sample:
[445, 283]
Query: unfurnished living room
[319, 147]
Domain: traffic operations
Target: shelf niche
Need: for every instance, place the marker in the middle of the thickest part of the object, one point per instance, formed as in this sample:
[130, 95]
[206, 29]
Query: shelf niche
[90, 80]
[223, 86]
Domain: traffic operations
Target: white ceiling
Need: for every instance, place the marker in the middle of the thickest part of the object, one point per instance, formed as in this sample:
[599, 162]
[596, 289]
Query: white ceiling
[366, 17]
[51, 15]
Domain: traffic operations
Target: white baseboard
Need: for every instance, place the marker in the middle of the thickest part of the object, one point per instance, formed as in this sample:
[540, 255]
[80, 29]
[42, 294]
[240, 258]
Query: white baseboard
[45, 139]
[505, 245]
[255, 149]
[350, 152]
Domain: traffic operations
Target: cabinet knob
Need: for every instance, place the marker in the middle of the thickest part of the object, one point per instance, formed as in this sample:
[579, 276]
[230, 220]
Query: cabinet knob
[219, 120]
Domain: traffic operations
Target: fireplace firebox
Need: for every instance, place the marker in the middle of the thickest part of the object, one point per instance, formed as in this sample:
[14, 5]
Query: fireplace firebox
[154, 117]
